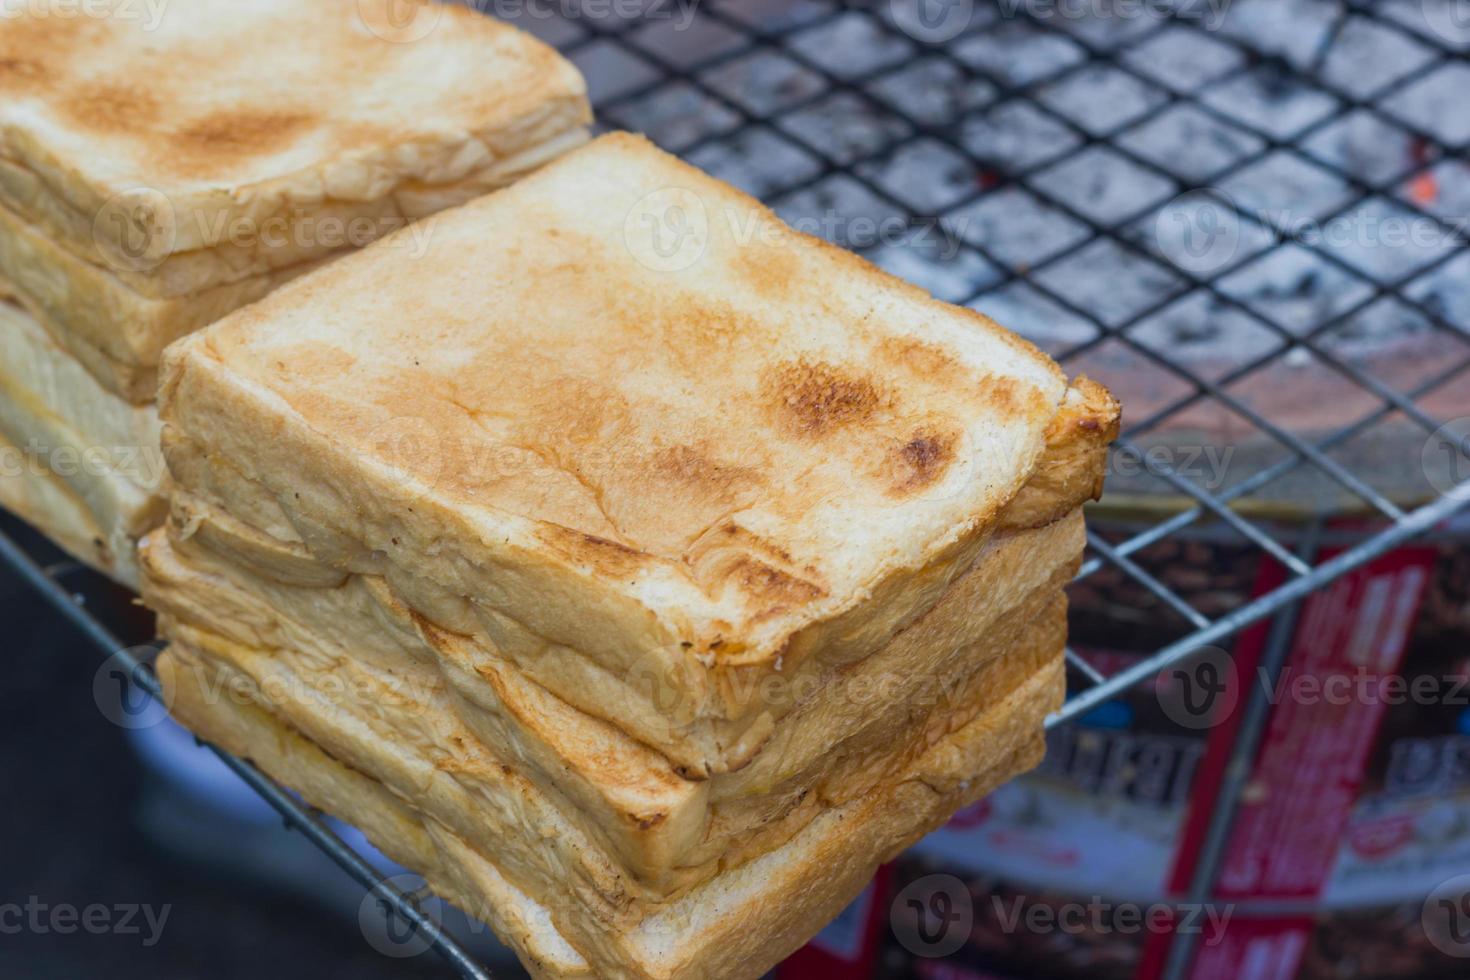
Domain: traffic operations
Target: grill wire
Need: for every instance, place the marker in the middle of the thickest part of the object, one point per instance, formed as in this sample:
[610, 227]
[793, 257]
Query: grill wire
[718, 79]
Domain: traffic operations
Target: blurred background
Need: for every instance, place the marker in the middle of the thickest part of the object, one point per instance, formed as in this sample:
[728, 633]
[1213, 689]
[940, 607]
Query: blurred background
[1247, 218]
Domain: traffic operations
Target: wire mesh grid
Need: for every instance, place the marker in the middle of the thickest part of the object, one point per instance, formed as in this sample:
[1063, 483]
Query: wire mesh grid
[820, 108]
[815, 107]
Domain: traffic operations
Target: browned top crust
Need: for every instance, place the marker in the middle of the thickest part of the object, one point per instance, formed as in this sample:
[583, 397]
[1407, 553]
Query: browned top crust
[651, 414]
[236, 108]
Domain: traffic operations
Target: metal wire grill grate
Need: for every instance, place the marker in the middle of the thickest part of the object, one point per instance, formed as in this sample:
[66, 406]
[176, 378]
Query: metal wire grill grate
[1012, 144]
[819, 107]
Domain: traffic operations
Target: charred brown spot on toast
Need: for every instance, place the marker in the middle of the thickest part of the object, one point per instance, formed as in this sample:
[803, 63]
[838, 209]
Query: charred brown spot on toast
[923, 360]
[18, 73]
[921, 460]
[111, 107]
[609, 557]
[697, 470]
[37, 47]
[814, 399]
[767, 272]
[769, 585]
[235, 134]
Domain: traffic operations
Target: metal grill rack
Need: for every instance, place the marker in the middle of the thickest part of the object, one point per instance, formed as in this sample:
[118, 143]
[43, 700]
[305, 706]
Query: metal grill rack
[816, 106]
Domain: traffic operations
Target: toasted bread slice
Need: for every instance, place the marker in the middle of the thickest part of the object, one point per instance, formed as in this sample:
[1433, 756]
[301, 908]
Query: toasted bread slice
[35, 495]
[666, 831]
[392, 824]
[214, 483]
[706, 473]
[66, 428]
[116, 332]
[136, 384]
[1075, 462]
[50, 376]
[736, 925]
[221, 139]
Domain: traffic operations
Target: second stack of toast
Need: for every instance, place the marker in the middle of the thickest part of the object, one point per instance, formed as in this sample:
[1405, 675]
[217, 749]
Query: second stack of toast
[155, 176]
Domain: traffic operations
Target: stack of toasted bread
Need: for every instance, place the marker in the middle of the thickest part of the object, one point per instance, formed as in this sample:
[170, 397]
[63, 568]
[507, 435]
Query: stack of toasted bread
[640, 571]
[160, 168]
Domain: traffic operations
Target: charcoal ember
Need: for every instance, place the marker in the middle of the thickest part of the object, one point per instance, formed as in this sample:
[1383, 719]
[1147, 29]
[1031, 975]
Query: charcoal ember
[1444, 191]
[1367, 148]
[1441, 23]
[1208, 335]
